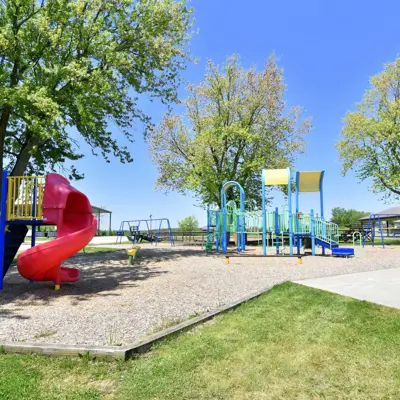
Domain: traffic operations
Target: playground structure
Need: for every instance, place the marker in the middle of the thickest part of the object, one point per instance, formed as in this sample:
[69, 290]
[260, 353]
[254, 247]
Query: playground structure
[277, 226]
[151, 235]
[39, 200]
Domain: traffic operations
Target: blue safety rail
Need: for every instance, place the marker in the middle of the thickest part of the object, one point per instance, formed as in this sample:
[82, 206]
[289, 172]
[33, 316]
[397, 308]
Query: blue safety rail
[21, 205]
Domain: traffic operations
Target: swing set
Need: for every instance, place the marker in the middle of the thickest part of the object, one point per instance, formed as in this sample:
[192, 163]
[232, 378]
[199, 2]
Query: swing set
[151, 232]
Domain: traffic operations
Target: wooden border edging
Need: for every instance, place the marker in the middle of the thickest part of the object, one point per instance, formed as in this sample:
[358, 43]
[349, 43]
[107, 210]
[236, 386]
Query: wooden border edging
[60, 350]
[121, 352]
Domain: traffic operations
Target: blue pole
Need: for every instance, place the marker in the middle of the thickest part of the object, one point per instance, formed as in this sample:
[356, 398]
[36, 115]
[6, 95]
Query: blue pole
[290, 212]
[217, 231]
[33, 237]
[264, 220]
[242, 209]
[373, 232]
[159, 232]
[312, 233]
[277, 230]
[208, 220]
[321, 198]
[3, 224]
[380, 229]
[321, 193]
[299, 244]
[224, 232]
[238, 234]
[171, 237]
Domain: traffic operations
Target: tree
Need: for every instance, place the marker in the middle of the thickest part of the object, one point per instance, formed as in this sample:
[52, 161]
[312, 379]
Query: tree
[188, 224]
[347, 217]
[235, 125]
[370, 142]
[71, 68]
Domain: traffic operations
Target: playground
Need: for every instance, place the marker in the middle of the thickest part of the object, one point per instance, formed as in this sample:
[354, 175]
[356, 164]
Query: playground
[114, 303]
[144, 283]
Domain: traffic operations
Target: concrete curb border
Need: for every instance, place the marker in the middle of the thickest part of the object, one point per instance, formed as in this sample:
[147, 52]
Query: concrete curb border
[121, 352]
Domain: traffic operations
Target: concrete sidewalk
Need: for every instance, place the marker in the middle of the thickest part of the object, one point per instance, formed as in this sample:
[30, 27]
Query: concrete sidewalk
[381, 287]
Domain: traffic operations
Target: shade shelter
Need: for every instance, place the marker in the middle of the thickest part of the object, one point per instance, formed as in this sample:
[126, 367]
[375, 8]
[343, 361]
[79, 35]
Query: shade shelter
[377, 219]
[98, 212]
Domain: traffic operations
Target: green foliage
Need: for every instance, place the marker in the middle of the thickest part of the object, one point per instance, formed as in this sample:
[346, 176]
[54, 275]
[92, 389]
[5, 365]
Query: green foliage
[189, 224]
[235, 125]
[71, 68]
[347, 217]
[370, 142]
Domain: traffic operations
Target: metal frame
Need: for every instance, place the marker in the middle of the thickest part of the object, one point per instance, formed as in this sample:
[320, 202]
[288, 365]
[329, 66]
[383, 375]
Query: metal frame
[373, 218]
[149, 229]
[98, 212]
[264, 210]
[241, 236]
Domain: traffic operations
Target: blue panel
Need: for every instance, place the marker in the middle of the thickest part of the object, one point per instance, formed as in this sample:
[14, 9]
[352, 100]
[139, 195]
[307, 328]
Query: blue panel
[343, 252]
[3, 225]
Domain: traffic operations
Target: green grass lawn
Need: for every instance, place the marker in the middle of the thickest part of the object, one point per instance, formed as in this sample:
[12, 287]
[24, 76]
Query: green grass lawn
[291, 343]
[98, 249]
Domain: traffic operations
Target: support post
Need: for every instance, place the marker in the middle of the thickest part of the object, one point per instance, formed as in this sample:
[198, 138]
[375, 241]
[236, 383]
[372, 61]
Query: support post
[321, 194]
[264, 220]
[159, 232]
[290, 212]
[224, 232]
[277, 230]
[321, 199]
[109, 225]
[171, 236]
[208, 220]
[238, 234]
[241, 219]
[298, 239]
[3, 225]
[312, 232]
[217, 231]
[381, 232]
[373, 232]
[33, 237]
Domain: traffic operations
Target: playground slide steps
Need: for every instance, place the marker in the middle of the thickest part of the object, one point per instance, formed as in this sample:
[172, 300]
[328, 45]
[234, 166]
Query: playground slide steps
[323, 243]
[15, 235]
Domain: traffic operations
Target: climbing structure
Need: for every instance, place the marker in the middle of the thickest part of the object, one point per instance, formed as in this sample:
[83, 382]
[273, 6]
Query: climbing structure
[276, 226]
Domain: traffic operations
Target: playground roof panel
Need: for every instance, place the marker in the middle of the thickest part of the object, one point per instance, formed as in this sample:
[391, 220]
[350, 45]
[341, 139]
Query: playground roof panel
[309, 181]
[276, 176]
[98, 210]
[388, 214]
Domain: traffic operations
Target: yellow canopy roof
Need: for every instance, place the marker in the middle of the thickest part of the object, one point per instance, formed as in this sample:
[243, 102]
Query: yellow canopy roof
[276, 176]
[309, 181]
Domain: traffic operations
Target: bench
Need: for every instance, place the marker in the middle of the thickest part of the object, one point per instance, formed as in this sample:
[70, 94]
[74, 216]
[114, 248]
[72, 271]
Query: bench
[132, 254]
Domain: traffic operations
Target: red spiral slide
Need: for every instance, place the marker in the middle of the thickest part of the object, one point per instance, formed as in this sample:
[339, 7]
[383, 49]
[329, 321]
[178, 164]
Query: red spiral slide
[71, 211]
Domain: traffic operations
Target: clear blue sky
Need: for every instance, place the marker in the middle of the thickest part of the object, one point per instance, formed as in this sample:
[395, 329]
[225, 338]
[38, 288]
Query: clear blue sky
[328, 51]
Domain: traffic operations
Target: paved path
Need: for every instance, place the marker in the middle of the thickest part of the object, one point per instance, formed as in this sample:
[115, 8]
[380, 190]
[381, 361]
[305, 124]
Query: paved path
[381, 287]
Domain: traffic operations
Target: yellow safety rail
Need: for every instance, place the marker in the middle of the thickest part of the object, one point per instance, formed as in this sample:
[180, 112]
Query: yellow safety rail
[25, 197]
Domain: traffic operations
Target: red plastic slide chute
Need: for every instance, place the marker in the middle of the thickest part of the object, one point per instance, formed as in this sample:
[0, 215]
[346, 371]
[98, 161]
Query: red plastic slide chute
[71, 211]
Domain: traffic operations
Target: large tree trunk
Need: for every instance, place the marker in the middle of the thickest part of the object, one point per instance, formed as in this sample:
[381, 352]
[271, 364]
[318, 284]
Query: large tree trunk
[5, 117]
[23, 159]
